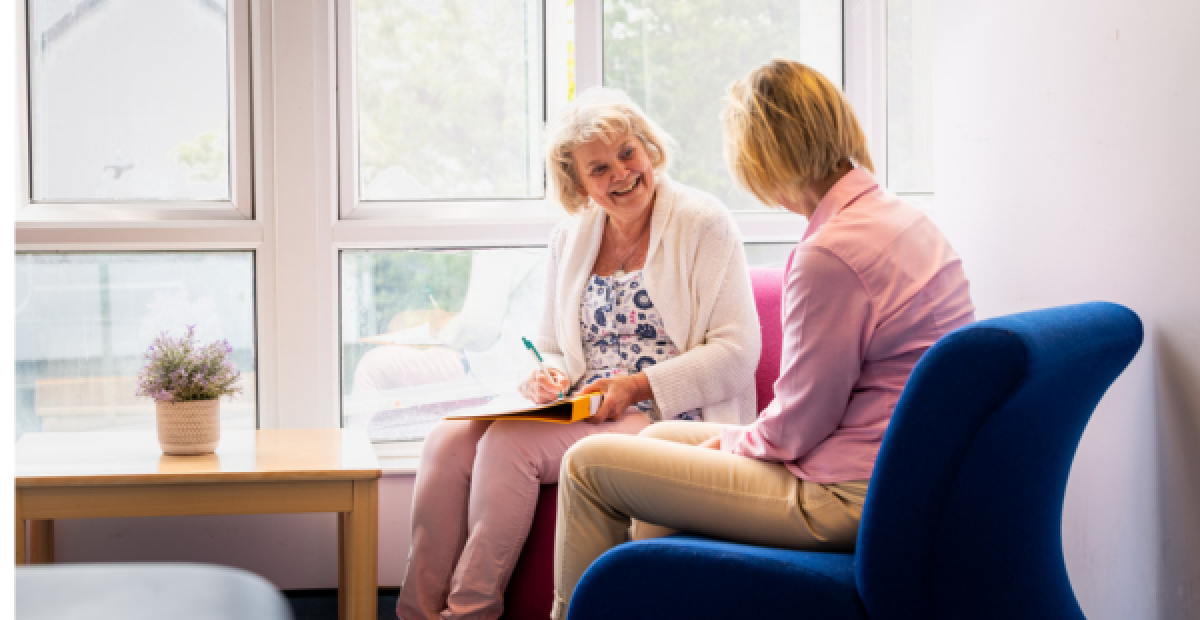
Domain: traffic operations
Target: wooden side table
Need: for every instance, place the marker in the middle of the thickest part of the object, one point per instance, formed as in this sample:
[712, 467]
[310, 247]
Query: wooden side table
[123, 474]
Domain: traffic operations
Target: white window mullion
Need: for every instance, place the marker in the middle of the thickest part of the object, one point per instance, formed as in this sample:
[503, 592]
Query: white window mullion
[305, 279]
[866, 72]
[119, 236]
[241, 173]
[556, 37]
[347, 102]
[536, 93]
[265, 264]
[589, 44]
[25, 166]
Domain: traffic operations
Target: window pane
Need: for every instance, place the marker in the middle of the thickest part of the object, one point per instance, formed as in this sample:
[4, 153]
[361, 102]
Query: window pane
[677, 60]
[427, 332]
[910, 95]
[449, 99]
[129, 100]
[84, 321]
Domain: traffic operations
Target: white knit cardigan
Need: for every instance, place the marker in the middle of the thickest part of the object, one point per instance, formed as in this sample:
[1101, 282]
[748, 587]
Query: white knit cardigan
[696, 275]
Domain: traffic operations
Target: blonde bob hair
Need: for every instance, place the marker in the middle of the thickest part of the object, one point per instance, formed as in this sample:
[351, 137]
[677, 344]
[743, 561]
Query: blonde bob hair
[787, 126]
[597, 114]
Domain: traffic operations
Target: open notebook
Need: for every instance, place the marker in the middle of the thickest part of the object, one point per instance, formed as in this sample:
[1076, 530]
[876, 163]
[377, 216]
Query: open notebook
[515, 407]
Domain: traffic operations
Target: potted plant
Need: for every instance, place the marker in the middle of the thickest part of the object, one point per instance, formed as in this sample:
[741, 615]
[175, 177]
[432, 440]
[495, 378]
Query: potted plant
[186, 382]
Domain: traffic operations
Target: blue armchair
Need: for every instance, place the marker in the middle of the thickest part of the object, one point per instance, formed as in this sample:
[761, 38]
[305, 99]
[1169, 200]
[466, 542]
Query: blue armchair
[963, 517]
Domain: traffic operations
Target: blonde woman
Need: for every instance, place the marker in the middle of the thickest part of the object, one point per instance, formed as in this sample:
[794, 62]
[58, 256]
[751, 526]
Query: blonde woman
[648, 301]
[871, 286]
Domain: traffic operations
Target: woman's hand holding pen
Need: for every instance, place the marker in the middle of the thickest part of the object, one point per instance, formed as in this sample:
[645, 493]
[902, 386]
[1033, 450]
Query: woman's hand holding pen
[543, 389]
[620, 393]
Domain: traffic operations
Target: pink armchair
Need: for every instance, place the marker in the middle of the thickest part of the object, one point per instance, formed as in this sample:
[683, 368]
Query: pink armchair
[530, 592]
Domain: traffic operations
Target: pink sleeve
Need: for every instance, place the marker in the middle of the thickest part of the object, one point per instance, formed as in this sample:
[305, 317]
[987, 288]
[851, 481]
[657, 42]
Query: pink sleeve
[825, 310]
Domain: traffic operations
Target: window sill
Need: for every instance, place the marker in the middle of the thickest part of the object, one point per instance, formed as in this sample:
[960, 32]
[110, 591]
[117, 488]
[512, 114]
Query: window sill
[399, 466]
[399, 458]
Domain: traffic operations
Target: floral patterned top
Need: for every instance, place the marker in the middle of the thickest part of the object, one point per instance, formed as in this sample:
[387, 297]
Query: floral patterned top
[623, 334]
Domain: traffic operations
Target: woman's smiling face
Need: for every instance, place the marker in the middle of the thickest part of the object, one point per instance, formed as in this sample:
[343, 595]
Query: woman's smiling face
[617, 175]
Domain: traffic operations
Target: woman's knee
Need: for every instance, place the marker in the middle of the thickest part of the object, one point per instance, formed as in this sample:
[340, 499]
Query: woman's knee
[453, 442]
[508, 445]
[670, 430]
[590, 451]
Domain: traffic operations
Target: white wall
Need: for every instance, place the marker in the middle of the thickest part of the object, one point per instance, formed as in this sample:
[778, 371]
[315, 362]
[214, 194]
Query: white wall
[1066, 156]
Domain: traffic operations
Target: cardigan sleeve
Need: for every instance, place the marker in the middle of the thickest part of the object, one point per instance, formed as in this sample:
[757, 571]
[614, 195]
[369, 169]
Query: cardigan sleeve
[722, 366]
[547, 336]
[825, 311]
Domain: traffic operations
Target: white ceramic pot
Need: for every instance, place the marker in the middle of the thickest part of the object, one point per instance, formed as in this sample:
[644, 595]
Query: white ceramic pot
[190, 427]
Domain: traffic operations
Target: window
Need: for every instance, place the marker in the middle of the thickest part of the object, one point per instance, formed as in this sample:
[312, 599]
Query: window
[399, 373]
[428, 332]
[677, 60]
[443, 183]
[84, 321]
[137, 110]
[336, 179]
[137, 190]
[447, 102]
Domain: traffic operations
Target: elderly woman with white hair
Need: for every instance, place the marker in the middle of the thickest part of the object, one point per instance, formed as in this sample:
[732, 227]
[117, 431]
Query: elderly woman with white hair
[648, 301]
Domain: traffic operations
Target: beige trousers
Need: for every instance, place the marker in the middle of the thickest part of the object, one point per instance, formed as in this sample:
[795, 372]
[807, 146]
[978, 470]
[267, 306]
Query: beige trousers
[661, 477]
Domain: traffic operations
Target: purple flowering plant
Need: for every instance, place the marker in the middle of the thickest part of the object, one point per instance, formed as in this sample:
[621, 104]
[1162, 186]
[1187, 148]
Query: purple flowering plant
[178, 370]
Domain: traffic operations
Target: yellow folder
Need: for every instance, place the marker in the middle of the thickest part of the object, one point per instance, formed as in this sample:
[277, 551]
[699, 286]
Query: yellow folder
[562, 411]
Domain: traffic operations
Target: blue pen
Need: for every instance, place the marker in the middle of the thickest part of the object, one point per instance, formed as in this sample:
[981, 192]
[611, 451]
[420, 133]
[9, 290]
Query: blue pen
[538, 357]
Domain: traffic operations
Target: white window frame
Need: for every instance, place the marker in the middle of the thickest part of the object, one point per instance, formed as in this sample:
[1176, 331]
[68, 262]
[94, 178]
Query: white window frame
[297, 217]
[239, 207]
[352, 207]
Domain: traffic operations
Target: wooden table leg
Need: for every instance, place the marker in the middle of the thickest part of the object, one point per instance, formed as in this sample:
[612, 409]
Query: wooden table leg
[19, 545]
[343, 595]
[41, 541]
[361, 553]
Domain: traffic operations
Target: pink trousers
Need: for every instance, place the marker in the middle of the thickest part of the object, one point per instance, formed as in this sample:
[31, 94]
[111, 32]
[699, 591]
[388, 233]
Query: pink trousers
[475, 494]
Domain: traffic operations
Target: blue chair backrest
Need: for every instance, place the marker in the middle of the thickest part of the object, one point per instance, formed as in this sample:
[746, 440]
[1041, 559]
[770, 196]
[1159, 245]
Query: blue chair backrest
[963, 518]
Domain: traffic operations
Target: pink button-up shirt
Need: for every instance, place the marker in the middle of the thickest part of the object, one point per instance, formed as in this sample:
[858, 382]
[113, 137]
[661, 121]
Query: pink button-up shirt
[871, 286]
